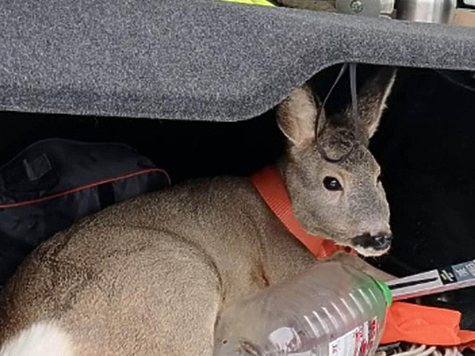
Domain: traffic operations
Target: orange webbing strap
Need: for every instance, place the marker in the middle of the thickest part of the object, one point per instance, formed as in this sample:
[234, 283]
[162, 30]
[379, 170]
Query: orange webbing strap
[404, 322]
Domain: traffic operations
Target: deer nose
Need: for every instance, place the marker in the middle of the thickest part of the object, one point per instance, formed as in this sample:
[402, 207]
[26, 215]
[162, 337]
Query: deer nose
[380, 241]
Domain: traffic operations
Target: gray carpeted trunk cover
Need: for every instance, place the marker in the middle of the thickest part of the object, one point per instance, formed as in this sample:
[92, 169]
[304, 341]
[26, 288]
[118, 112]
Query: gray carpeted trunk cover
[193, 59]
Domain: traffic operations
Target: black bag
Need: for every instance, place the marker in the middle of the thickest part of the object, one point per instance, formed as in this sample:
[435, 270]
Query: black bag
[55, 182]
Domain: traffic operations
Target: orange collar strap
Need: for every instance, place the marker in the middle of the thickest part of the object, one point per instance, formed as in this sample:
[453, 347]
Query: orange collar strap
[271, 187]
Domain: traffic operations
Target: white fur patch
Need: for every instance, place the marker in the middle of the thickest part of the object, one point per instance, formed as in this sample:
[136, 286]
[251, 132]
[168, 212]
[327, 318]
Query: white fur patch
[366, 252]
[41, 339]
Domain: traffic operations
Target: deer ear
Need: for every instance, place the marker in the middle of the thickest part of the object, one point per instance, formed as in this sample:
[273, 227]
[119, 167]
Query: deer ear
[296, 117]
[373, 97]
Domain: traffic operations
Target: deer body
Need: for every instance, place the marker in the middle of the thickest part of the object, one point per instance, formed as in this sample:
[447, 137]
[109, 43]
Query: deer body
[150, 276]
[120, 277]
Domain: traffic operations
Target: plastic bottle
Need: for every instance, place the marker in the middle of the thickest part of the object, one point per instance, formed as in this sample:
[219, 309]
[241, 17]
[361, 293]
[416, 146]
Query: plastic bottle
[330, 310]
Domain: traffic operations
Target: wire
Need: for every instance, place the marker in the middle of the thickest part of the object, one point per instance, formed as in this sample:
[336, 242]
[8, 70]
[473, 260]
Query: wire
[413, 351]
[454, 81]
[355, 114]
[421, 350]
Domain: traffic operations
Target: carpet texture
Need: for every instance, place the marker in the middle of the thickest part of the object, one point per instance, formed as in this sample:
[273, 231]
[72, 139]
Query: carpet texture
[193, 59]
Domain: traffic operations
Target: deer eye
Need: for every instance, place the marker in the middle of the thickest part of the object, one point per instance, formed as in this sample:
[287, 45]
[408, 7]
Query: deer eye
[332, 184]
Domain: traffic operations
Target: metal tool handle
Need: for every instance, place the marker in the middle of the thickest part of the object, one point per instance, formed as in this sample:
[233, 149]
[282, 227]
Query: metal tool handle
[439, 280]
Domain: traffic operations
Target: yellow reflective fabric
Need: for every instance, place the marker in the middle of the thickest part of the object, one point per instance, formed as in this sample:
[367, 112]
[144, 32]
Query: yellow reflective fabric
[252, 2]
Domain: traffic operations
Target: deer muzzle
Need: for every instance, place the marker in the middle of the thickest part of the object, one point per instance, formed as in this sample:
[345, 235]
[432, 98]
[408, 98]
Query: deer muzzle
[378, 242]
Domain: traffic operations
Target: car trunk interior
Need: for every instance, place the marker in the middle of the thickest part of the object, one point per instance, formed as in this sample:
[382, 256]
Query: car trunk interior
[425, 146]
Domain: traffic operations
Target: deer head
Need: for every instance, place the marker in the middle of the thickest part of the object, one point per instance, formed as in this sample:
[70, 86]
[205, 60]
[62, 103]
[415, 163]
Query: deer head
[332, 178]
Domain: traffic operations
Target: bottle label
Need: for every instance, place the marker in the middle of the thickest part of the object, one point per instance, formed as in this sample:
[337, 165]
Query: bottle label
[357, 342]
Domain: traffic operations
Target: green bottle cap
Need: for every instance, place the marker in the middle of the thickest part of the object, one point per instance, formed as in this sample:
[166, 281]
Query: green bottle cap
[386, 291]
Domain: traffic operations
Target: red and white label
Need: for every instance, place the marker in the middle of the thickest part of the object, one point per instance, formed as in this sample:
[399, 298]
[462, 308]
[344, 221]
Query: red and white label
[357, 342]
